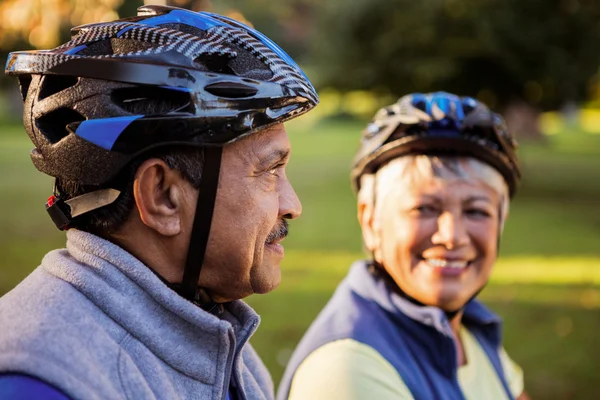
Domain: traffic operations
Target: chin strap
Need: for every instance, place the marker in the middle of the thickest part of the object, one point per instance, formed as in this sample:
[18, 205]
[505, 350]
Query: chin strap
[207, 195]
[62, 213]
[202, 299]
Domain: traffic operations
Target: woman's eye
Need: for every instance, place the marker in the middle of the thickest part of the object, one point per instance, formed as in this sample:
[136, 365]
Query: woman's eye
[425, 209]
[477, 212]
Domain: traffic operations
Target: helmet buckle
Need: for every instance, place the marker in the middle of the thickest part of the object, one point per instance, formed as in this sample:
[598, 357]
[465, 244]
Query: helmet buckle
[59, 211]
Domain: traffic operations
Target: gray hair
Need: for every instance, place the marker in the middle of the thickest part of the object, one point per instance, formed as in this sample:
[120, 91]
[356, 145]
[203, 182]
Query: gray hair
[415, 168]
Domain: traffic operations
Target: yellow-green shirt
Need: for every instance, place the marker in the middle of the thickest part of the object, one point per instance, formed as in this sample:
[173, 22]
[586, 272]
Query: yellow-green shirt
[349, 370]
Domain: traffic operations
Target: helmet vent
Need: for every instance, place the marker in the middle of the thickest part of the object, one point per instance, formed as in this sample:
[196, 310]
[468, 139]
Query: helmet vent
[54, 124]
[114, 46]
[152, 100]
[53, 84]
[215, 63]
[24, 82]
[185, 28]
[232, 90]
[99, 48]
[124, 46]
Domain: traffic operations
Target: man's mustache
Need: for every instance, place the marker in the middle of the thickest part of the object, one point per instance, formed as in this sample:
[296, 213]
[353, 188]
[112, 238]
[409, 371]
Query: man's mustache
[278, 233]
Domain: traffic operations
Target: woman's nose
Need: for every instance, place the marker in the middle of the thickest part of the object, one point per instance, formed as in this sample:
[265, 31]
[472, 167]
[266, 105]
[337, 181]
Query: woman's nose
[451, 231]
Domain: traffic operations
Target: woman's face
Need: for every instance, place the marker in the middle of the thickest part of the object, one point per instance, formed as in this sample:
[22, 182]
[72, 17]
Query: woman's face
[436, 238]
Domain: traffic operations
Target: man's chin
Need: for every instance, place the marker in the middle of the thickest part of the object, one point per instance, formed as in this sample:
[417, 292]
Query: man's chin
[269, 281]
[265, 290]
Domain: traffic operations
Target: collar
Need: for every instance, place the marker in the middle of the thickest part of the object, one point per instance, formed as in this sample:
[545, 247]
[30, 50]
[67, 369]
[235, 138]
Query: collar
[374, 288]
[128, 292]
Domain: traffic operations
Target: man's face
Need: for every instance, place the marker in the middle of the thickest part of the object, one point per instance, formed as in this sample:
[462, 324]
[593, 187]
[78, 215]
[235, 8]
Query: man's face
[253, 202]
[437, 239]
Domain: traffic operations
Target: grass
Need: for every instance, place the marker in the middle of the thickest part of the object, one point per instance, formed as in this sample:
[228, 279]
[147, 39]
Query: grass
[550, 326]
[546, 284]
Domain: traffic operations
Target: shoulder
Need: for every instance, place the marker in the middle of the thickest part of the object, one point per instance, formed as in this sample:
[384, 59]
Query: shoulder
[347, 314]
[50, 330]
[347, 369]
[41, 306]
[45, 310]
[513, 373]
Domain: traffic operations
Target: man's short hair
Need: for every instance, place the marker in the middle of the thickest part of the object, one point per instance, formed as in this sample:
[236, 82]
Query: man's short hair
[187, 160]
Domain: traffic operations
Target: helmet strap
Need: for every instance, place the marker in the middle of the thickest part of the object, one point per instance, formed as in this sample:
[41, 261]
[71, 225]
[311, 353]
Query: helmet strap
[64, 211]
[207, 195]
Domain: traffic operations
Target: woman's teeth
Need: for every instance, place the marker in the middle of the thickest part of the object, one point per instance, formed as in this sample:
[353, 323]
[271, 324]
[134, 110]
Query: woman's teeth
[441, 263]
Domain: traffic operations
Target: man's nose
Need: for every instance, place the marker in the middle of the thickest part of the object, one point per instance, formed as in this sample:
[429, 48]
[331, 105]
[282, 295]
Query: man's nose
[289, 203]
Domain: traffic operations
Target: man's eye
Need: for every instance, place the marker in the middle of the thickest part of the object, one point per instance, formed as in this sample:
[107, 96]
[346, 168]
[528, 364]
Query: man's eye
[274, 170]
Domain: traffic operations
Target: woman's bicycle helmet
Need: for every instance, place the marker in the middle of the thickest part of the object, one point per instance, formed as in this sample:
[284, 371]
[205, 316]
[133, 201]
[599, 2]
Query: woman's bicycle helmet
[437, 123]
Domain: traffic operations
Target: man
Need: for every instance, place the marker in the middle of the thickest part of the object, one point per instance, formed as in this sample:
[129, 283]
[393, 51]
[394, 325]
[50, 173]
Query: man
[164, 134]
[434, 176]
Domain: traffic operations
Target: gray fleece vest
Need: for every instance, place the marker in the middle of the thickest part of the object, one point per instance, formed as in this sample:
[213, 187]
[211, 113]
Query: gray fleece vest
[96, 323]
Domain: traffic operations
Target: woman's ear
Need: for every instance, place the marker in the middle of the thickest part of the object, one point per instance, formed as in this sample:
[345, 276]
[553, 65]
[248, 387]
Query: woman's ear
[160, 196]
[366, 219]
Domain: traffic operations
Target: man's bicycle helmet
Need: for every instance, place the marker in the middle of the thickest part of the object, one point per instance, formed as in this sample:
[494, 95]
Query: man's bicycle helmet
[439, 124]
[223, 79]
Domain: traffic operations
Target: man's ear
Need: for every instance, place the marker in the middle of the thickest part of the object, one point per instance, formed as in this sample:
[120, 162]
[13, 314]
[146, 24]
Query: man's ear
[160, 194]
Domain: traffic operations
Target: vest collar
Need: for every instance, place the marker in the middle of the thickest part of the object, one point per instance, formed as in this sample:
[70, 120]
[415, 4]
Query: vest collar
[377, 289]
[129, 293]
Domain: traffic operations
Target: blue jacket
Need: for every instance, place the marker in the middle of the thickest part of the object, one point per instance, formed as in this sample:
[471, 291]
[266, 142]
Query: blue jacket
[416, 340]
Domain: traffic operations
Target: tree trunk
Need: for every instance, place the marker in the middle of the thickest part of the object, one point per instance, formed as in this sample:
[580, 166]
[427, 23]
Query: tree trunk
[523, 120]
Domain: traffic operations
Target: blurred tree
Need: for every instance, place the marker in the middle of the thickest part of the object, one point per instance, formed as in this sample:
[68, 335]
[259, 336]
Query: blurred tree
[196, 5]
[43, 23]
[26, 24]
[517, 55]
[290, 23]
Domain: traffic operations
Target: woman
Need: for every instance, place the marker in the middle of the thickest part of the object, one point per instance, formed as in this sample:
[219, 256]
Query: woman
[434, 176]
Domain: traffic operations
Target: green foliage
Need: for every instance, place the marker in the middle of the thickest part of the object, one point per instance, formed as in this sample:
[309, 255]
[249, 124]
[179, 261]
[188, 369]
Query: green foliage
[550, 329]
[287, 22]
[546, 284]
[540, 51]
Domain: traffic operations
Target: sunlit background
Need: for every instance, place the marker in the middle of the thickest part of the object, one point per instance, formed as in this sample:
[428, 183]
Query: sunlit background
[536, 61]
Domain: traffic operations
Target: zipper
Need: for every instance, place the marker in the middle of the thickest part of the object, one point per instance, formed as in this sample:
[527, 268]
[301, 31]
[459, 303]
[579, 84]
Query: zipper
[229, 364]
[239, 394]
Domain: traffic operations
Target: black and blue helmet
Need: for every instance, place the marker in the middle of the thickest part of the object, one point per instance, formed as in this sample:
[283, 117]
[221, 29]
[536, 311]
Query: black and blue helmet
[223, 79]
[438, 124]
